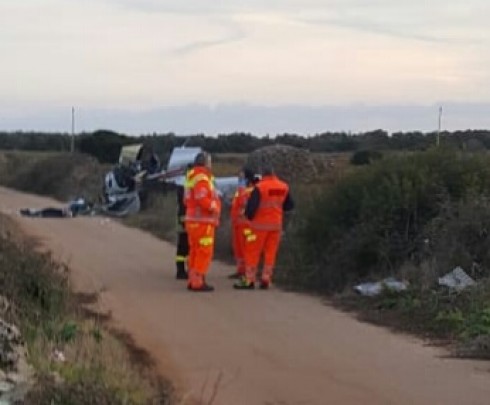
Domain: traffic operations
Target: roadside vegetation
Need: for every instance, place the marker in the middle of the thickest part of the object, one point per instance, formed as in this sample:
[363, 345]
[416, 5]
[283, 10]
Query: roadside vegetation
[76, 359]
[412, 216]
[63, 176]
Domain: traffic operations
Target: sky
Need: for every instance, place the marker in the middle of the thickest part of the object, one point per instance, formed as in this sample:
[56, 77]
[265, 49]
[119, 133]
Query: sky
[261, 66]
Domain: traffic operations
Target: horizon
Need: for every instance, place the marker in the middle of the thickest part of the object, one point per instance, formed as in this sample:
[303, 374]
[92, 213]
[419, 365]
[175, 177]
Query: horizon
[257, 120]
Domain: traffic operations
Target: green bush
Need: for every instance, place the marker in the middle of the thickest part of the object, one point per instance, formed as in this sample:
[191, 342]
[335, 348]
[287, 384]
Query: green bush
[460, 236]
[58, 175]
[365, 157]
[376, 219]
[105, 145]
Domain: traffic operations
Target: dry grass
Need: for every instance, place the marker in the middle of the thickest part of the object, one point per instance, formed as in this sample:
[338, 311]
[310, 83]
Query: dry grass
[159, 218]
[98, 368]
[91, 352]
[228, 164]
[60, 175]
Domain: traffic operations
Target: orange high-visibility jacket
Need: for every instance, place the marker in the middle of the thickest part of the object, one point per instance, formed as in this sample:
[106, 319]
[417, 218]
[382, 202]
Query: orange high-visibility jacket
[238, 205]
[201, 200]
[272, 194]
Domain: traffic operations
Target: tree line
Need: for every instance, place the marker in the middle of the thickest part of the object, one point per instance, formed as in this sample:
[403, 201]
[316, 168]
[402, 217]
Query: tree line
[105, 144]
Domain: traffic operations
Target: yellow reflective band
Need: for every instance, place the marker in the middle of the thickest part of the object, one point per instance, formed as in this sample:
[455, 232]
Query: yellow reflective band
[251, 238]
[197, 179]
[247, 232]
[180, 259]
[208, 241]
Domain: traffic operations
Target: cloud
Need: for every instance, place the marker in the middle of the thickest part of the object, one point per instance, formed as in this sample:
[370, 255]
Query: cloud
[235, 34]
[148, 53]
[381, 29]
[440, 22]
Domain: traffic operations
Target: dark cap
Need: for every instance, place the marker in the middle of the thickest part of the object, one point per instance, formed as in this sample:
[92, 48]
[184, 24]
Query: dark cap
[248, 174]
[200, 159]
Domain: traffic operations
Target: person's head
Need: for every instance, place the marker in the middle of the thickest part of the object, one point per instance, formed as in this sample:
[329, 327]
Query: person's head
[248, 175]
[203, 159]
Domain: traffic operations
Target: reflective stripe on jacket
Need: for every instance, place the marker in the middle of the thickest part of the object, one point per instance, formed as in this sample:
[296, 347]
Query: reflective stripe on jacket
[238, 205]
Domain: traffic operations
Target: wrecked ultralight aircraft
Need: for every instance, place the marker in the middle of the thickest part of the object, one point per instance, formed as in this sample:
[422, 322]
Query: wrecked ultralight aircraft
[135, 172]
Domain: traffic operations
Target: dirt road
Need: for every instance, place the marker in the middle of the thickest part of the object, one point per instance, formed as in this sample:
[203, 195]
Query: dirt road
[259, 347]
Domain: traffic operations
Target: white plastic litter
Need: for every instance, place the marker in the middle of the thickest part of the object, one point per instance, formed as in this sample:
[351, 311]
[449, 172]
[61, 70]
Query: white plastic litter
[457, 280]
[58, 356]
[373, 289]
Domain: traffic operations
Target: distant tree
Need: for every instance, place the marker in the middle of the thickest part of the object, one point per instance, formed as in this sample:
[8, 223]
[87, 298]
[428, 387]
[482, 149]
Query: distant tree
[365, 157]
[104, 145]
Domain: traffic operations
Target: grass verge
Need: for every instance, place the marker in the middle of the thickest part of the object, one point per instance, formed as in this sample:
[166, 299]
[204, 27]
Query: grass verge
[96, 367]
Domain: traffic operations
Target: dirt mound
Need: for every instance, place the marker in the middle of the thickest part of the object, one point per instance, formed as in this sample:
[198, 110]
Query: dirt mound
[289, 163]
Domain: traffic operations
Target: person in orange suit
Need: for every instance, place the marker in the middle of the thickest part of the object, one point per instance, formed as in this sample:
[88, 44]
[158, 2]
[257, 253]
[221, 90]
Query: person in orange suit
[265, 210]
[203, 209]
[239, 223]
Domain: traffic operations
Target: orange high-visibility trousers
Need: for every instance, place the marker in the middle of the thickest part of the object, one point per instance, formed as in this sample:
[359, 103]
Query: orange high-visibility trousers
[239, 247]
[257, 243]
[201, 249]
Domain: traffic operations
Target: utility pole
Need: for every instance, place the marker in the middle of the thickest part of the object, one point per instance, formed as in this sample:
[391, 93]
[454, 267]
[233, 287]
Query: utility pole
[439, 126]
[72, 149]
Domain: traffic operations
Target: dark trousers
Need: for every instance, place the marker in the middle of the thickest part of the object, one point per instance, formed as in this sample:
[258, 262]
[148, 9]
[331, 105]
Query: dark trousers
[182, 251]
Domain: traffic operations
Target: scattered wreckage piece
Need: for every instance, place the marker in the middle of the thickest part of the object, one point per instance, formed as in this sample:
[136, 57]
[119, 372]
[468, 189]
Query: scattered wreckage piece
[375, 288]
[457, 280]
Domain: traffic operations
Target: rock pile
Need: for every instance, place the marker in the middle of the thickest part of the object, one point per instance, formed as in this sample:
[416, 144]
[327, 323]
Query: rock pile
[15, 373]
[289, 163]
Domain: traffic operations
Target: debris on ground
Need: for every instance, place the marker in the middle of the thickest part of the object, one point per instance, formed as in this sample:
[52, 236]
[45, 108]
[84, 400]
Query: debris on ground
[375, 288]
[457, 280]
[49, 212]
[15, 373]
[73, 209]
[58, 356]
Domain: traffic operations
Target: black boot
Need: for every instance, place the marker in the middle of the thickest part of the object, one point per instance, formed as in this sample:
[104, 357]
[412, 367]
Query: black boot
[181, 273]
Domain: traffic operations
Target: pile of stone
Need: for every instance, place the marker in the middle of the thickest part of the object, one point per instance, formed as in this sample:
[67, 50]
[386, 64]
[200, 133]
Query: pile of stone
[15, 373]
[289, 163]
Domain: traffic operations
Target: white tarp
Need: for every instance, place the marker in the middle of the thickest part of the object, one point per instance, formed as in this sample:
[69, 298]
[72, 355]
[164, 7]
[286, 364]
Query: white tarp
[457, 280]
[373, 289]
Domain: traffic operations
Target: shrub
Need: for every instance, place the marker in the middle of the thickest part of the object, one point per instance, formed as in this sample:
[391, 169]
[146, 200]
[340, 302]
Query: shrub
[62, 176]
[375, 219]
[365, 157]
